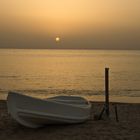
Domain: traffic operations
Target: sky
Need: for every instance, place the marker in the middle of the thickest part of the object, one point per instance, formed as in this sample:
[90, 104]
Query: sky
[80, 24]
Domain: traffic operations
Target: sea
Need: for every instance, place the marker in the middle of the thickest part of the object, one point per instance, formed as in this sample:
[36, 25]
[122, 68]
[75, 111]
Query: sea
[45, 73]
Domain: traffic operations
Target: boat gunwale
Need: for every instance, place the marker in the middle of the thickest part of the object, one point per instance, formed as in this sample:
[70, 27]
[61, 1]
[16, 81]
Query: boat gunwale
[84, 106]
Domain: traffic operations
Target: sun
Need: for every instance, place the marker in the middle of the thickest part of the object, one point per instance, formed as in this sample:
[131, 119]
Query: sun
[57, 39]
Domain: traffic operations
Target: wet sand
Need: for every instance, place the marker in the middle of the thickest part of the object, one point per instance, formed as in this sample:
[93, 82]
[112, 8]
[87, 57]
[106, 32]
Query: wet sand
[128, 127]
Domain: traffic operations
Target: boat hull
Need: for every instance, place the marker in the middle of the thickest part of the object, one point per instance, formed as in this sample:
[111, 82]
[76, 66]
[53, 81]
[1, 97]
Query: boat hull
[33, 112]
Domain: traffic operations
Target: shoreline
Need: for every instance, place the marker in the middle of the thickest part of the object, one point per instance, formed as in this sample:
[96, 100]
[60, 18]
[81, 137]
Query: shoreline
[127, 128]
[92, 98]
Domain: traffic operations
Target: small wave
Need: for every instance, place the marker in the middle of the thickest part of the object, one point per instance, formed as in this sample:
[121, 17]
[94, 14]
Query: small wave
[9, 76]
[52, 92]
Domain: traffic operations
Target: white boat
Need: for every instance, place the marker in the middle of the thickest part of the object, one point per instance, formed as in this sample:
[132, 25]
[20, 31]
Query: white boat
[33, 112]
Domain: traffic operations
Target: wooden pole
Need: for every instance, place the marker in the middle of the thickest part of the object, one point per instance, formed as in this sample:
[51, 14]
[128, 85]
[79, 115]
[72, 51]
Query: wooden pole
[116, 113]
[106, 105]
[107, 91]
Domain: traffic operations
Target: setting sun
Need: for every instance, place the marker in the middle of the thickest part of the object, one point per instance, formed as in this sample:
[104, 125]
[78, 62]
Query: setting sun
[57, 39]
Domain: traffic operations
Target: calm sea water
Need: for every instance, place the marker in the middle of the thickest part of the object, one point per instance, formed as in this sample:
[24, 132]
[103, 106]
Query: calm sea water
[46, 73]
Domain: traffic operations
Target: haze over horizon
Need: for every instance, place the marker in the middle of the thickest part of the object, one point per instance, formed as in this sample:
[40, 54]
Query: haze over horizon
[80, 24]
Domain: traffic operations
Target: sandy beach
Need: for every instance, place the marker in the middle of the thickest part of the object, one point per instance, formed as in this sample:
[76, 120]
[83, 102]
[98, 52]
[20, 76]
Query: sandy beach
[128, 127]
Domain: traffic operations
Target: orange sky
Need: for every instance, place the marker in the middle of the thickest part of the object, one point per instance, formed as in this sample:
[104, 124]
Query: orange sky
[69, 19]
